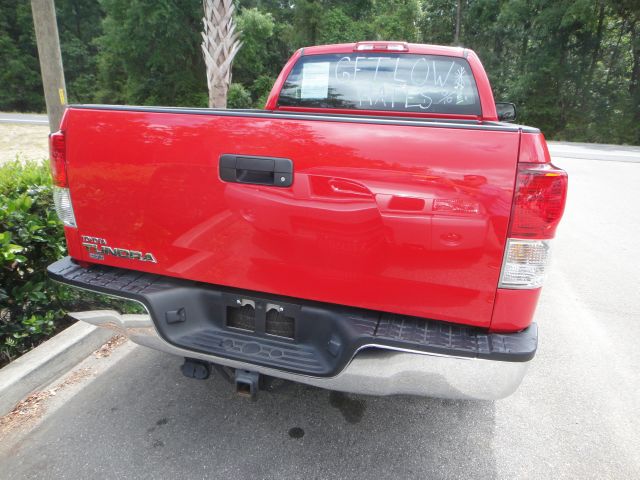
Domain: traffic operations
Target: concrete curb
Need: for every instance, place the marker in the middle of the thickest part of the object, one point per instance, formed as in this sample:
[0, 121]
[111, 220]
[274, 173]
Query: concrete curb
[47, 361]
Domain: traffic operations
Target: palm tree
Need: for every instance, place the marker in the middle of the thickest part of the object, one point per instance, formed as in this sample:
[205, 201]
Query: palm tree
[220, 44]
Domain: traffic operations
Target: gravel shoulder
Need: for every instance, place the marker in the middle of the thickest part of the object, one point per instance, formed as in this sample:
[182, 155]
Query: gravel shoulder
[23, 141]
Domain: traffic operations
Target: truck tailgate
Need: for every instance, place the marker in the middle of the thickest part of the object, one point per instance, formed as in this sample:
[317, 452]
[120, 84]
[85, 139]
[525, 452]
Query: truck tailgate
[407, 217]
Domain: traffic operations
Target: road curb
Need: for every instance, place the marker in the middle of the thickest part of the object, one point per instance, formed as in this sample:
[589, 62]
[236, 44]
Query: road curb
[47, 361]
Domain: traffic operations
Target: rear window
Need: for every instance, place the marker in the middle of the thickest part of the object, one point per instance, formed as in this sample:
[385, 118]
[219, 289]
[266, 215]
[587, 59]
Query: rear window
[383, 81]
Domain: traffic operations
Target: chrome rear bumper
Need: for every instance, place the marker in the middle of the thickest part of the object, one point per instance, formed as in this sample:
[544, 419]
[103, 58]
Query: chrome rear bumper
[373, 371]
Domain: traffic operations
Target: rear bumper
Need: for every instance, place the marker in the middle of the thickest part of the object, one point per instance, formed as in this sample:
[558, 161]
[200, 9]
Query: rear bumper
[373, 371]
[333, 347]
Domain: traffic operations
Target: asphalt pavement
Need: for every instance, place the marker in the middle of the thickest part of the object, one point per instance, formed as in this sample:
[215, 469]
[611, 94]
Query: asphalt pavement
[576, 415]
[24, 118]
[593, 151]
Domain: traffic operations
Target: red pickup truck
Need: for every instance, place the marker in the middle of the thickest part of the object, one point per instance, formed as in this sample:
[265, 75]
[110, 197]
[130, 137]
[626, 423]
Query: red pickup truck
[375, 229]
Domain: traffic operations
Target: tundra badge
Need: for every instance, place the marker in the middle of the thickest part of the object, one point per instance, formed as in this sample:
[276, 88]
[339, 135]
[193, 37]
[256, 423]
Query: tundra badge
[98, 248]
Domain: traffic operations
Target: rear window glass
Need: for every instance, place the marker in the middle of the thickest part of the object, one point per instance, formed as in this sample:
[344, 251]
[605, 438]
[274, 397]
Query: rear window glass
[383, 81]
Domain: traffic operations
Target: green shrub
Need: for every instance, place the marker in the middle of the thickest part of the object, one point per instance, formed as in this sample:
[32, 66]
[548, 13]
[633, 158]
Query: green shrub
[238, 97]
[260, 90]
[32, 308]
[30, 237]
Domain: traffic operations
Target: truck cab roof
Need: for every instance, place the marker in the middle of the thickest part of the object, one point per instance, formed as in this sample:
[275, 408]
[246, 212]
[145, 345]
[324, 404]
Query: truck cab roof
[465, 60]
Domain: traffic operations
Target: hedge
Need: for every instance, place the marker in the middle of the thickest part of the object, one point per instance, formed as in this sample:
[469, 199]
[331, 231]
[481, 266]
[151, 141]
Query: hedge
[30, 237]
[32, 308]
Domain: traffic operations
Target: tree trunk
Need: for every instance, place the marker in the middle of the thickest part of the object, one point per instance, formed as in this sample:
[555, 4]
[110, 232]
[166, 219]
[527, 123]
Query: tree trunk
[456, 38]
[219, 46]
[595, 54]
[634, 81]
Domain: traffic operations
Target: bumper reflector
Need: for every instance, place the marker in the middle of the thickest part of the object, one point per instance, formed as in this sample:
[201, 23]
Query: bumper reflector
[64, 208]
[524, 263]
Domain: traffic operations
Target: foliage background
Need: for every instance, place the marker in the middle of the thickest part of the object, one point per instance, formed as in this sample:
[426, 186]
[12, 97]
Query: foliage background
[571, 66]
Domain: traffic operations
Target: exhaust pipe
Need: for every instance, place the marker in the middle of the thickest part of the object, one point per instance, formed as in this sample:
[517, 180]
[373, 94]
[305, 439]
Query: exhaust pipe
[247, 383]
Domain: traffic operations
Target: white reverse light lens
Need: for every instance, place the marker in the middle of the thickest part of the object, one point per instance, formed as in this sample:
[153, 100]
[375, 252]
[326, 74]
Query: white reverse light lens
[64, 209]
[524, 263]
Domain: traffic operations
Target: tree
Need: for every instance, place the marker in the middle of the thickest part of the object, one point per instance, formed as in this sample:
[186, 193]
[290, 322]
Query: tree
[80, 24]
[220, 44]
[20, 73]
[396, 20]
[437, 21]
[566, 63]
[149, 53]
[339, 27]
[251, 61]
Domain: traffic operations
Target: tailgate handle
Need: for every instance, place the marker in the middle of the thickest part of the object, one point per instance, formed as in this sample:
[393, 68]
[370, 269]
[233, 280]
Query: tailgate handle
[276, 172]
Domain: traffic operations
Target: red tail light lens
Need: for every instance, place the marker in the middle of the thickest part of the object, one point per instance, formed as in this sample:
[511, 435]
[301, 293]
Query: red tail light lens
[58, 158]
[540, 195]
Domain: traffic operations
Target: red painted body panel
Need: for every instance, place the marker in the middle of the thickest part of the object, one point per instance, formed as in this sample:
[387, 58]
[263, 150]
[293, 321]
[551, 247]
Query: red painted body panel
[74, 243]
[533, 149]
[514, 309]
[398, 218]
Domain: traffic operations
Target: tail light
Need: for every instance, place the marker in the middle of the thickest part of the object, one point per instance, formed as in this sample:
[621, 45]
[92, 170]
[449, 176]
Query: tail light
[58, 158]
[61, 194]
[538, 204]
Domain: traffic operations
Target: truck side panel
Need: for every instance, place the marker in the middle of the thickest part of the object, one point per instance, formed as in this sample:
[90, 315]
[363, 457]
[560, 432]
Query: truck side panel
[397, 218]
